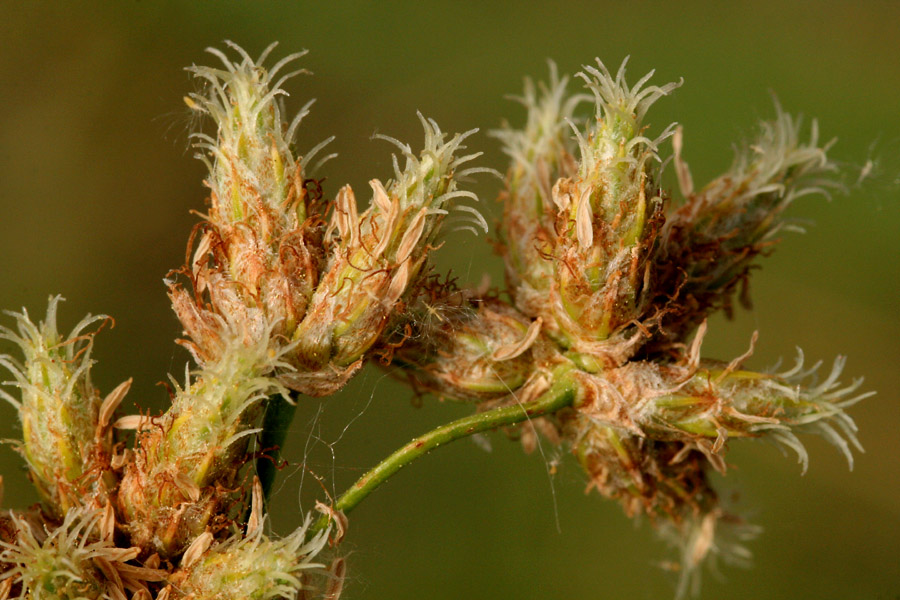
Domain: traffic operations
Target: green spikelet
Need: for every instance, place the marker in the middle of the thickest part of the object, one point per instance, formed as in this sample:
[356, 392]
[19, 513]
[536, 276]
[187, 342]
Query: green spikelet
[64, 444]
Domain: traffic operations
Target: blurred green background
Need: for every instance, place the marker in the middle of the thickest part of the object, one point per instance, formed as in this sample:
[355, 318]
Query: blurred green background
[96, 181]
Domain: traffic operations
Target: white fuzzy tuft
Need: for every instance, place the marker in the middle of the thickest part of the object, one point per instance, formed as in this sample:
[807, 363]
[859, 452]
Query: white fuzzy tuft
[703, 540]
[544, 140]
[819, 408]
[619, 112]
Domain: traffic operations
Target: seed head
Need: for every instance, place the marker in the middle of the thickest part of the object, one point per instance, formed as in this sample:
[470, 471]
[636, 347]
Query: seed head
[258, 256]
[64, 419]
[251, 566]
[71, 561]
[377, 256]
[186, 459]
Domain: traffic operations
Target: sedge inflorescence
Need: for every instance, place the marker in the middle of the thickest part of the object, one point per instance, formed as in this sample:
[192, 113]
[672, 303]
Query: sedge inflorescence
[595, 343]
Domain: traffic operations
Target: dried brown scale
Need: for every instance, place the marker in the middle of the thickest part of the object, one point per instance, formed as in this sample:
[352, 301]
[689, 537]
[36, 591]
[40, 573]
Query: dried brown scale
[688, 297]
[647, 477]
[159, 513]
[240, 274]
[8, 535]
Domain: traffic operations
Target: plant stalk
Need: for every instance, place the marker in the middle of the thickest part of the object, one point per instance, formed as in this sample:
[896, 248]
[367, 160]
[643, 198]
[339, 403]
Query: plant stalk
[276, 423]
[560, 395]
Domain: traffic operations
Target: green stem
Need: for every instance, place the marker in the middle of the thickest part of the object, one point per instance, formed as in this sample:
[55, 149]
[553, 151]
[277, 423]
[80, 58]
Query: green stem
[276, 423]
[559, 396]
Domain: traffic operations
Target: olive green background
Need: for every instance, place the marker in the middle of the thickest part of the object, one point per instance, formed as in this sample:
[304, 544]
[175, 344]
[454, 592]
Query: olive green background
[97, 181]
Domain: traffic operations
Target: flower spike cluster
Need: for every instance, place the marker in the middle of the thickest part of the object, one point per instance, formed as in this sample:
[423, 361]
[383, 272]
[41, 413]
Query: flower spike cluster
[267, 260]
[607, 283]
[596, 344]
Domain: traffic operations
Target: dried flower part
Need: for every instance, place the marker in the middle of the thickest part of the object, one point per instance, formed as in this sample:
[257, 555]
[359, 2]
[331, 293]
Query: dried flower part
[541, 152]
[258, 256]
[710, 242]
[667, 482]
[377, 256]
[468, 348]
[186, 459]
[66, 446]
[70, 561]
[9, 533]
[647, 476]
[251, 566]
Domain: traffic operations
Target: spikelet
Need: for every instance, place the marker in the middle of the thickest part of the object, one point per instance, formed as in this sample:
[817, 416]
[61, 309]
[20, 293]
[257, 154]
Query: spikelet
[646, 433]
[71, 561]
[251, 566]
[541, 152]
[595, 250]
[66, 440]
[668, 484]
[377, 256]
[186, 459]
[258, 255]
[702, 404]
[607, 216]
[704, 539]
[710, 242]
